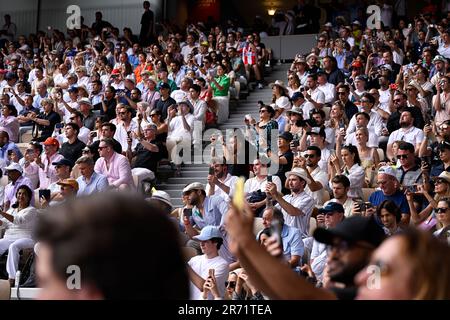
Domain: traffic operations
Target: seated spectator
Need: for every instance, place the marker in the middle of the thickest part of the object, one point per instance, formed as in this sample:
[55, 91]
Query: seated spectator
[409, 172]
[182, 93]
[220, 85]
[126, 127]
[220, 183]
[389, 214]
[209, 264]
[293, 247]
[408, 133]
[389, 190]
[107, 106]
[369, 156]
[19, 222]
[340, 186]
[63, 168]
[6, 145]
[395, 121]
[114, 166]
[28, 163]
[46, 120]
[348, 156]
[147, 152]
[107, 130]
[444, 159]
[28, 108]
[329, 217]
[87, 116]
[47, 171]
[9, 122]
[15, 175]
[362, 121]
[327, 88]
[90, 182]
[69, 189]
[443, 217]
[73, 148]
[265, 127]
[165, 101]
[83, 135]
[440, 102]
[317, 138]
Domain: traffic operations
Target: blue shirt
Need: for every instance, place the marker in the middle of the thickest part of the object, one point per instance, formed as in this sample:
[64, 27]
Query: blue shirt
[9, 146]
[214, 212]
[398, 198]
[97, 183]
[292, 242]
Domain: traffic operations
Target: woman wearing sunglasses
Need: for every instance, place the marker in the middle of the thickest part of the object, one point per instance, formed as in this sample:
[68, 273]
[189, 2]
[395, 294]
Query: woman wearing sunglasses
[443, 217]
[425, 219]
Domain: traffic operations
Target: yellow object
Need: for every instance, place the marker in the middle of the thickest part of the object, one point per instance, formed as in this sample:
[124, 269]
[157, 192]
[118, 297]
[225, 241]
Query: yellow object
[238, 198]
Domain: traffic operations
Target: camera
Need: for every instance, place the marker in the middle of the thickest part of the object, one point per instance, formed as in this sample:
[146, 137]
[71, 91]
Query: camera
[295, 143]
[211, 171]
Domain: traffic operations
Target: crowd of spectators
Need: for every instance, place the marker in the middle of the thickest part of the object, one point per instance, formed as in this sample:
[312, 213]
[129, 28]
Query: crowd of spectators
[357, 143]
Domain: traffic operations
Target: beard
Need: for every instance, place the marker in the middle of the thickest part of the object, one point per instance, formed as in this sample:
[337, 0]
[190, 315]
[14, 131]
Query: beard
[404, 124]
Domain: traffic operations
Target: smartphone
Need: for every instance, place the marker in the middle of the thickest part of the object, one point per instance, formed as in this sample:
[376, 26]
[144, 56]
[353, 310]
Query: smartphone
[93, 134]
[295, 143]
[211, 171]
[59, 126]
[44, 193]
[269, 178]
[211, 273]
[362, 206]
[275, 229]
[187, 212]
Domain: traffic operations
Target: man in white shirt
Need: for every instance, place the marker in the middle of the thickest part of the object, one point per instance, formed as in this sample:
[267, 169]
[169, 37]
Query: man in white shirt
[182, 93]
[375, 123]
[317, 187]
[340, 187]
[297, 206]
[407, 133]
[220, 183]
[190, 45]
[210, 264]
[181, 124]
[327, 88]
[126, 127]
[314, 94]
[259, 182]
[362, 121]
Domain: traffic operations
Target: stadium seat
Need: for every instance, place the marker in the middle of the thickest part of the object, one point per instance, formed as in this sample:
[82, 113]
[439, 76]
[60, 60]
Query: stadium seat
[381, 154]
[26, 136]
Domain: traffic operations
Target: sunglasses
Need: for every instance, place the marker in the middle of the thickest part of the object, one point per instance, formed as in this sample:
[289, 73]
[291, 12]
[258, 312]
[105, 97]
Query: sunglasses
[262, 111]
[439, 181]
[101, 148]
[364, 101]
[397, 100]
[309, 156]
[442, 210]
[230, 284]
[122, 113]
[341, 93]
[402, 156]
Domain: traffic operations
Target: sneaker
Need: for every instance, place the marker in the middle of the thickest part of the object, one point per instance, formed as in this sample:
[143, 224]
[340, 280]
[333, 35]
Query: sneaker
[260, 86]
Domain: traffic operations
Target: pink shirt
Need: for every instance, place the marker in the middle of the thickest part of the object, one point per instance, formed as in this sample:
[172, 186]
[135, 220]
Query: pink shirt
[119, 171]
[10, 125]
[48, 174]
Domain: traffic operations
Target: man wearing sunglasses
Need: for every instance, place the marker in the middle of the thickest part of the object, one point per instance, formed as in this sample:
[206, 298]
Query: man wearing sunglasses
[409, 172]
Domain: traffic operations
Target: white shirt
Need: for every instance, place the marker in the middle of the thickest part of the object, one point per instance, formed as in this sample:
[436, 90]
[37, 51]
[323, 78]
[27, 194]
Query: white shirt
[319, 176]
[121, 134]
[372, 143]
[201, 265]
[412, 135]
[254, 184]
[230, 181]
[329, 90]
[179, 95]
[317, 95]
[348, 206]
[356, 176]
[385, 98]
[176, 127]
[306, 108]
[303, 202]
[375, 123]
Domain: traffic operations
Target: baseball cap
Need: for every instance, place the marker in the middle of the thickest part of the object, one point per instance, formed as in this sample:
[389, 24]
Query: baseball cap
[286, 136]
[10, 75]
[162, 196]
[356, 64]
[317, 130]
[14, 166]
[352, 229]
[194, 186]
[85, 101]
[386, 66]
[332, 207]
[50, 141]
[444, 145]
[163, 85]
[208, 233]
[388, 170]
[297, 95]
[439, 58]
[115, 72]
[63, 162]
[69, 182]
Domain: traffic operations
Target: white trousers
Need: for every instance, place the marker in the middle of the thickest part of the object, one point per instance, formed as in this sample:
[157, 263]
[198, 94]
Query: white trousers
[14, 247]
[223, 108]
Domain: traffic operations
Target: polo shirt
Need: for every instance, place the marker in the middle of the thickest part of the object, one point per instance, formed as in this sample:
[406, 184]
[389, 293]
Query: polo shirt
[412, 135]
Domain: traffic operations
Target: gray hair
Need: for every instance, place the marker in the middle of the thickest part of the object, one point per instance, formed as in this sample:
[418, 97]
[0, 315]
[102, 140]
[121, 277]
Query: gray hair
[85, 159]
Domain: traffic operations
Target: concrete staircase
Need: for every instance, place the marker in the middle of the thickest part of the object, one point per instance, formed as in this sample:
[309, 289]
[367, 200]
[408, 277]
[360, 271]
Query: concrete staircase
[238, 109]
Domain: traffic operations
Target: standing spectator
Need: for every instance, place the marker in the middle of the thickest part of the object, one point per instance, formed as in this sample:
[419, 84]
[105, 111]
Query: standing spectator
[8, 31]
[220, 183]
[47, 172]
[181, 126]
[146, 36]
[46, 120]
[165, 101]
[296, 206]
[340, 187]
[114, 166]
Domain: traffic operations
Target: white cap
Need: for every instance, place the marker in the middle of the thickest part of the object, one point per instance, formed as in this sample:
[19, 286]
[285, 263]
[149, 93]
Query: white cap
[299, 172]
[162, 196]
[388, 170]
[14, 166]
[194, 186]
